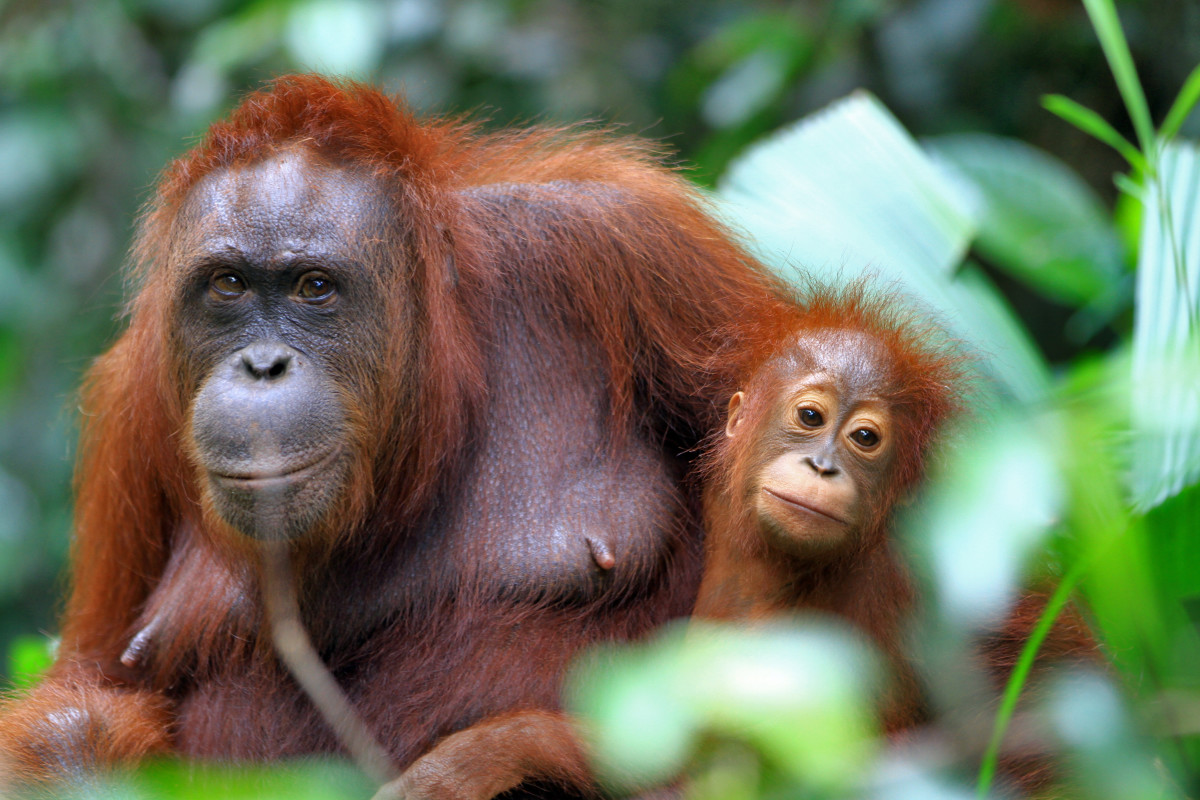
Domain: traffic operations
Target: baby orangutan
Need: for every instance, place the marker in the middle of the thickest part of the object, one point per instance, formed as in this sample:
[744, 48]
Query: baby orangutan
[837, 412]
[831, 427]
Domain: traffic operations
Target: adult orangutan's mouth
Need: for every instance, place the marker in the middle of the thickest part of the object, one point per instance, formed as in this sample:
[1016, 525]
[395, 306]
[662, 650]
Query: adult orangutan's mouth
[265, 479]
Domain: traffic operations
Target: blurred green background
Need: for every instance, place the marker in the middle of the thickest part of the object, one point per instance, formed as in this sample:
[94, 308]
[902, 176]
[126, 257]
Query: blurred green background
[97, 95]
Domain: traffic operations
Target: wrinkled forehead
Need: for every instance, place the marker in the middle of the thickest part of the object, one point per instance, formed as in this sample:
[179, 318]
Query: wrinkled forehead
[857, 362]
[290, 198]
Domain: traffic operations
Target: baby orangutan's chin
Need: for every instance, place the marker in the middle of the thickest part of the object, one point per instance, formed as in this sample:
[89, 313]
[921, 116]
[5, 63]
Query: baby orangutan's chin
[799, 528]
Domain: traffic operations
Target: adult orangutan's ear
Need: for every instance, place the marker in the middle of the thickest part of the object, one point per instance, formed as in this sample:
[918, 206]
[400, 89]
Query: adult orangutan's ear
[734, 415]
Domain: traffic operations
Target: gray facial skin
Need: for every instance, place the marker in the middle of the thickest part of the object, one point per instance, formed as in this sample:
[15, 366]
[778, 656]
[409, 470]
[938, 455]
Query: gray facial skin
[274, 318]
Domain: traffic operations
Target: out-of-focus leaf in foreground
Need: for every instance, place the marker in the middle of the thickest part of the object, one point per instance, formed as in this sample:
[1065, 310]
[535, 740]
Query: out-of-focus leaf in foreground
[1107, 756]
[185, 780]
[29, 657]
[991, 507]
[798, 692]
[1140, 573]
[847, 191]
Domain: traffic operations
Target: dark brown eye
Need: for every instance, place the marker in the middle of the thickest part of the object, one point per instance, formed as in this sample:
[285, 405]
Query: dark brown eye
[227, 284]
[865, 438]
[316, 287]
[810, 417]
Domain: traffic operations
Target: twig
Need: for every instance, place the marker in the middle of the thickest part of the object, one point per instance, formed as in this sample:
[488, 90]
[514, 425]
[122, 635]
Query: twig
[298, 654]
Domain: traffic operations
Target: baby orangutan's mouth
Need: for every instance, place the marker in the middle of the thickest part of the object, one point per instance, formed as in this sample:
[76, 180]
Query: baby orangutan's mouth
[802, 506]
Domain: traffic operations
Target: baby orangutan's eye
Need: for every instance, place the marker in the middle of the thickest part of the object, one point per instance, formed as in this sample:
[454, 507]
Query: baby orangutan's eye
[810, 417]
[865, 438]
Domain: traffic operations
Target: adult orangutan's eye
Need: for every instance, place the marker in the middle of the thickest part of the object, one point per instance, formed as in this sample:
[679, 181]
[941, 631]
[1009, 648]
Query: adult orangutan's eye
[316, 287]
[227, 285]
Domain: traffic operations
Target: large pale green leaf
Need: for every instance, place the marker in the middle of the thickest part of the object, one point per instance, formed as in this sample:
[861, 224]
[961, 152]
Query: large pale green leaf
[847, 191]
[1039, 221]
[1166, 344]
[858, 188]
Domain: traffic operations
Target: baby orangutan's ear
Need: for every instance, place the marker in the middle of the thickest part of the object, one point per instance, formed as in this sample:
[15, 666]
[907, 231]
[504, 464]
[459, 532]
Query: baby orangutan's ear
[734, 418]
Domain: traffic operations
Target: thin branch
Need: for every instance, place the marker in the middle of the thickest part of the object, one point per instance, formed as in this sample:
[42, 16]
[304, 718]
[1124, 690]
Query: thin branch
[296, 650]
[291, 639]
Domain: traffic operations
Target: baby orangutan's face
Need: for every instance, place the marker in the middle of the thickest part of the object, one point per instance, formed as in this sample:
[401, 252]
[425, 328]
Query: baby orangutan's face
[822, 442]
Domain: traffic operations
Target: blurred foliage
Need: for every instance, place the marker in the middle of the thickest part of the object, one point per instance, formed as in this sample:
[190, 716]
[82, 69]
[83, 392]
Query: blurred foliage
[1003, 217]
[799, 694]
[29, 657]
[308, 779]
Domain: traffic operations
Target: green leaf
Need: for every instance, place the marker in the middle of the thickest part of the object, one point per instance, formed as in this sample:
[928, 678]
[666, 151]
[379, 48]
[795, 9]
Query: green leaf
[797, 691]
[1119, 588]
[311, 779]
[1016, 681]
[1183, 105]
[1039, 221]
[976, 311]
[1103, 14]
[1166, 343]
[1092, 123]
[746, 88]
[1109, 756]
[858, 185]
[974, 539]
[1145, 637]
[1130, 187]
[1141, 581]
[847, 191]
[240, 38]
[1127, 215]
[29, 657]
[1176, 547]
[641, 731]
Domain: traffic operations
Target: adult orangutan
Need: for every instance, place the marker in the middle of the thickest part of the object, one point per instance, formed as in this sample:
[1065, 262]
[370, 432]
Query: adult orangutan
[458, 374]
